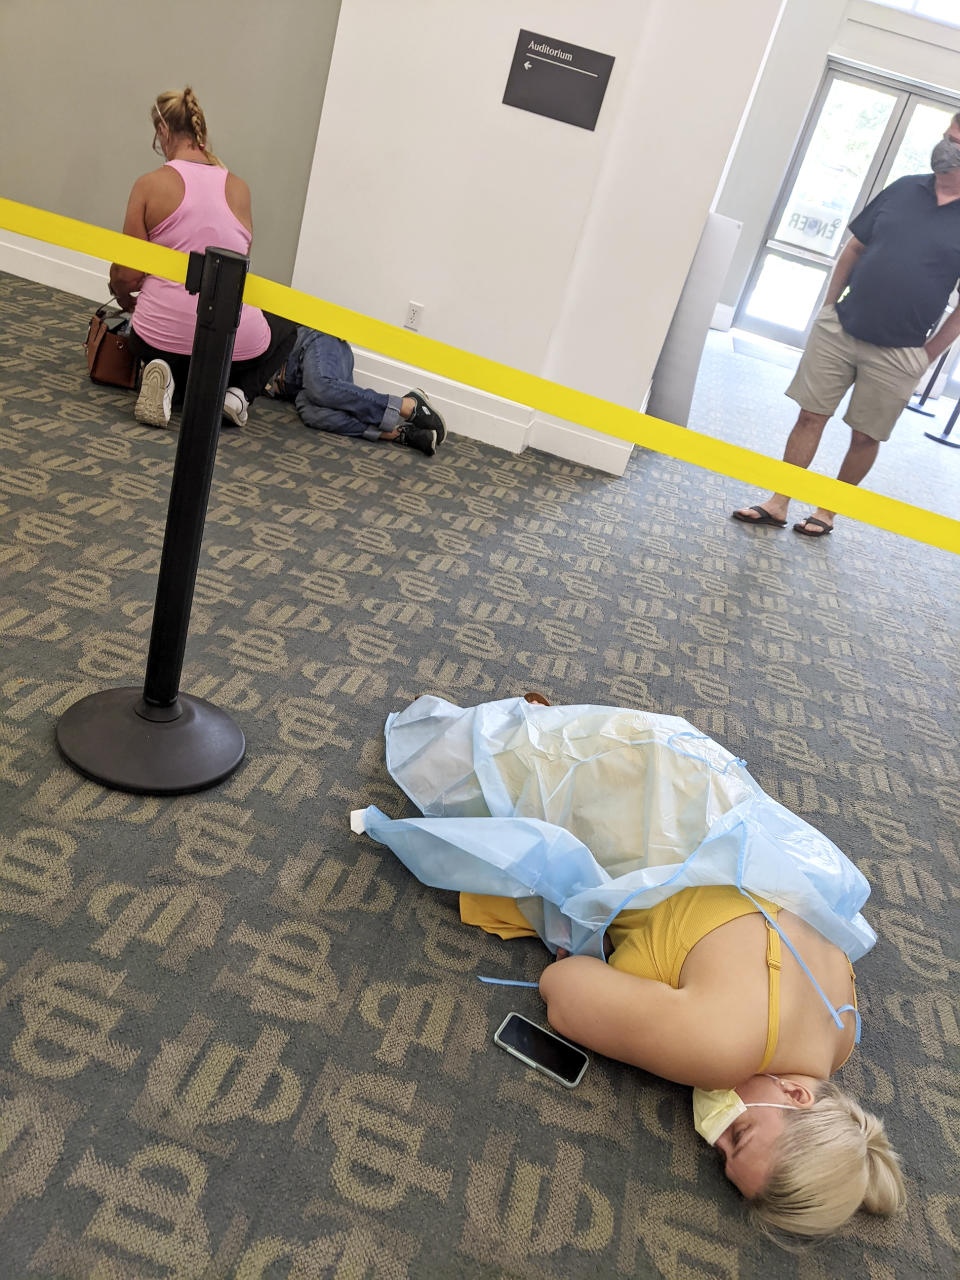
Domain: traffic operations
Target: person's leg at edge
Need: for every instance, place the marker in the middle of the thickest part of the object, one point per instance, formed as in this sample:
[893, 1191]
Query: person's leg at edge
[859, 458]
[802, 444]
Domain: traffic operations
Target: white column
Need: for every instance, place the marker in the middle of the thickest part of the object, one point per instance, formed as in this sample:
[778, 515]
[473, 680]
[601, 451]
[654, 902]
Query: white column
[690, 82]
[550, 248]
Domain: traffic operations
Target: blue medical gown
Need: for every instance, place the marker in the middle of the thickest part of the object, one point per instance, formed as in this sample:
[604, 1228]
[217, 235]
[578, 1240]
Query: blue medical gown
[580, 811]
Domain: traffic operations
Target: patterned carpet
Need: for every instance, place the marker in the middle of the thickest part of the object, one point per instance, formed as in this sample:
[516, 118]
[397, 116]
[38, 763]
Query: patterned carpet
[236, 1040]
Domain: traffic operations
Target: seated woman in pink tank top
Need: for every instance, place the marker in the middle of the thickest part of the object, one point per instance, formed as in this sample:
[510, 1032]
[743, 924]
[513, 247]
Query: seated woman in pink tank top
[190, 203]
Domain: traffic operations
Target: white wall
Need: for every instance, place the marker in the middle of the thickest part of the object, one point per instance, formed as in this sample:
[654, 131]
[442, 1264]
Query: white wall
[425, 186]
[550, 248]
[892, 41]
[668, 150]
[76, 84]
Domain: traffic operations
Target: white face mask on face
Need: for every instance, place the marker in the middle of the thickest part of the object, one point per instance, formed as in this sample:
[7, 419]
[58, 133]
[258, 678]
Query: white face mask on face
[714, 1110]
[161, 133]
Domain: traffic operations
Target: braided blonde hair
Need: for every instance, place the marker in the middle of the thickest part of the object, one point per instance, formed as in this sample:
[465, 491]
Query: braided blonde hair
[179, 111]
[834, 1158]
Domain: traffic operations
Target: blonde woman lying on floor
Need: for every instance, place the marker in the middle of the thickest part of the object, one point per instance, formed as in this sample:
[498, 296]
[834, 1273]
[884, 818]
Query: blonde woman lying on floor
[714, 930]
[698, 990]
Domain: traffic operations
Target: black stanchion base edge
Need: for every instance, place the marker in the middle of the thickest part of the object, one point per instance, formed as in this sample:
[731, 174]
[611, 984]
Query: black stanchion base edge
[104, 737]
[951, 444]
[927, 413]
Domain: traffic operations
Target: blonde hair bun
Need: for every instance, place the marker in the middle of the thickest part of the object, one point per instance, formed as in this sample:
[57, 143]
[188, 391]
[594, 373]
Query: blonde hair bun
[180, 113]
[834, 1158]
[885, 1191]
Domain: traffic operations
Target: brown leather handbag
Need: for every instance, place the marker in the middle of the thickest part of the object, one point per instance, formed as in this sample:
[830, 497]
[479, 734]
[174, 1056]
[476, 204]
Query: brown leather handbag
[109, 358]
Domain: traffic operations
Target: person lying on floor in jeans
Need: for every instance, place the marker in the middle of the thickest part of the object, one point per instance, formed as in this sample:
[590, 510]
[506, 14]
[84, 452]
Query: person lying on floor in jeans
[318, 377]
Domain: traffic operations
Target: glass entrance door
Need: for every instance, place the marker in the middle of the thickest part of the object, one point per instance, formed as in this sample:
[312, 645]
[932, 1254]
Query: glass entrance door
[863, 133]
[923, 125]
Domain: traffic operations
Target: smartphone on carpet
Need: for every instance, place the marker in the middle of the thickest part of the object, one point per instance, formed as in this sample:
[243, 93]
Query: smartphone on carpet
[539, 1048]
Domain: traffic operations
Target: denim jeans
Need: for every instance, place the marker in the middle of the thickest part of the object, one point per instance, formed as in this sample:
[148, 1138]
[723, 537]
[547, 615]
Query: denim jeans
[318, 377]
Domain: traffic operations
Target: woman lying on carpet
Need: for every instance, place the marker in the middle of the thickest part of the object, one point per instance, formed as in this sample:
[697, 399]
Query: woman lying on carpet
[728, 924]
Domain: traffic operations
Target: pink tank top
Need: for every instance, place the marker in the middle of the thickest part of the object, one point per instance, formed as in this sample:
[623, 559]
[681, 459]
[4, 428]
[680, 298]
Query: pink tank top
[165, 314]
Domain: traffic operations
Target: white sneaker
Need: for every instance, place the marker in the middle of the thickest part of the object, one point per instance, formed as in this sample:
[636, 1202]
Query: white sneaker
[156, 395]
[235, 406]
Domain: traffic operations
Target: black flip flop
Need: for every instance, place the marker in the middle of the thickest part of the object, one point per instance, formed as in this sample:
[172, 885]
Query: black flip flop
[763, 517]
[807, 533]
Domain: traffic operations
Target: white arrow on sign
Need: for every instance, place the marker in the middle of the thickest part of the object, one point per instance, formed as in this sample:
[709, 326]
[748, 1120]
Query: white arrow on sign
[526, 66]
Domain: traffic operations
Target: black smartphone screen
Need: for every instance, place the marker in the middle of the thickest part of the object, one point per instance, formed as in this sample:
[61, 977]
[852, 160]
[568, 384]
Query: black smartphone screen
[542, 1048]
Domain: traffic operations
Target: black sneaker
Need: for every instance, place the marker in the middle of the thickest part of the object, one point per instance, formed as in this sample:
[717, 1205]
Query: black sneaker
[422, 438]
[425, 415]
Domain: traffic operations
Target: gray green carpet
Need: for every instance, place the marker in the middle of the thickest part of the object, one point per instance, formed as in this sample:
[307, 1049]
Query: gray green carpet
[238, 1041]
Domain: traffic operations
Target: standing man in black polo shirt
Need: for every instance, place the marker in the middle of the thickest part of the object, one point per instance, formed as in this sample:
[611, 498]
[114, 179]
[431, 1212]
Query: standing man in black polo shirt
[898, 268]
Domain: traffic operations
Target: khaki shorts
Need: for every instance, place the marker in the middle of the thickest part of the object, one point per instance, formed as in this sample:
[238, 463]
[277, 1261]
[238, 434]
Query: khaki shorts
[884, 378]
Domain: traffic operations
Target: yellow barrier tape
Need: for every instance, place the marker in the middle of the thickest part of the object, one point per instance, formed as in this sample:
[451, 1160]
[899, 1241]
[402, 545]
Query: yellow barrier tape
[754, 469]
[113, 246]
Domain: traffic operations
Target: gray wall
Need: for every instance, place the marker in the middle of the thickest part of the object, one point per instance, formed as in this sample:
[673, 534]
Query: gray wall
[78, 77]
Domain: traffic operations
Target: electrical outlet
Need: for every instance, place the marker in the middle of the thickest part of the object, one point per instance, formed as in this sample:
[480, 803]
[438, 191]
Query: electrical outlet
[414, 314]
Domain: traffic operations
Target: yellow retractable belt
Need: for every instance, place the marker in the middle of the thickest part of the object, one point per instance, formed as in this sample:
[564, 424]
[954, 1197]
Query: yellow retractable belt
[754, 469]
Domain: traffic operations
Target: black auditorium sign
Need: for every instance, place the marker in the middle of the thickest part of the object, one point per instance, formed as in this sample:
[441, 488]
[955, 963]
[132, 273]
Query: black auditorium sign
[562, 81]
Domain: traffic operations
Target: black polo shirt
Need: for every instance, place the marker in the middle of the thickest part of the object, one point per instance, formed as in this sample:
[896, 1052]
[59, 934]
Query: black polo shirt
[902, 280]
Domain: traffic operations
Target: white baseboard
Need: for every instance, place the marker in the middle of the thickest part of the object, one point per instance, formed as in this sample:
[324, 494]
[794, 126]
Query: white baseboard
[722, 317]
[468, 412]
[574, 443]
[54, 267]
[502, 423]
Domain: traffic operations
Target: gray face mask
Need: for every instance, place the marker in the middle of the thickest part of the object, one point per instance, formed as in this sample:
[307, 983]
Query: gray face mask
[945, 156]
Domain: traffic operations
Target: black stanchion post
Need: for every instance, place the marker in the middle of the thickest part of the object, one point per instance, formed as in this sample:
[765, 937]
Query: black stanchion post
[218, 314]
[925, 394]
[158, 741]
[945, 437]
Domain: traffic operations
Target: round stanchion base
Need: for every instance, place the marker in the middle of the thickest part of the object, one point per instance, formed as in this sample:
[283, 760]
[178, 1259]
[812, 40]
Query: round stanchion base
[951, 444]
[107, 738]
[927, 413]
